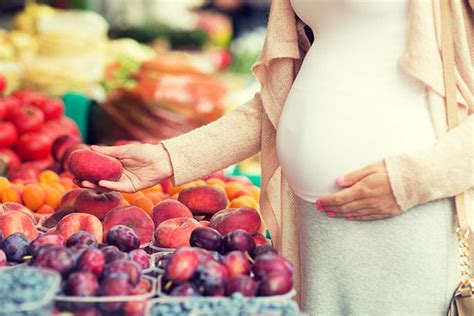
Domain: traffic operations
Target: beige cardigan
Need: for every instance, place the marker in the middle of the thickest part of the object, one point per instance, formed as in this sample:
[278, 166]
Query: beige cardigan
[434, 173]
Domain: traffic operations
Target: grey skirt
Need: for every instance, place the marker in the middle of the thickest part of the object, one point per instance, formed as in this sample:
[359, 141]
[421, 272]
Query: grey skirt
[405, 265]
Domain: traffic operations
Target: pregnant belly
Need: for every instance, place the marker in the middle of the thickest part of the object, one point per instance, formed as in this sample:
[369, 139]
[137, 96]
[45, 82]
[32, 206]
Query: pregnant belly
[322, 136]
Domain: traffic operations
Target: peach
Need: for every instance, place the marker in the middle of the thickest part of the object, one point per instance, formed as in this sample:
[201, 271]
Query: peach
[54, 219]
[246, 218]
[90, 202]
[17, 222]
[93, 166]
[133, 217]
[69, 151]
[63, 143]
[203, 199]
[166, 185]
[169, 209]
[15, 207]
[76, 222]
[205, 223]
[175, 232]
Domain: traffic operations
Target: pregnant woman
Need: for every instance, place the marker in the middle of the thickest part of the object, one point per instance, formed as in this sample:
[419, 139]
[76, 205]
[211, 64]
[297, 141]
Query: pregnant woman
[358, 168]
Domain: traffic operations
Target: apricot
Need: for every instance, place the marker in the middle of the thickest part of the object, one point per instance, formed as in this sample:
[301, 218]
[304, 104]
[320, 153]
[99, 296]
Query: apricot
[77, 222]
[169, 209]
[93, 166]
[215, 182]
[33, 196]
[48, 177]
[45, 210]
[4, 183]
[246, 218]
[203, 199]
[145, 203]
[255, 192]
[155, 197]
[133, 217]
[234, 189]
[129, 197]
[244, 200]
[175, 232]
[53, 197]
[12, 194]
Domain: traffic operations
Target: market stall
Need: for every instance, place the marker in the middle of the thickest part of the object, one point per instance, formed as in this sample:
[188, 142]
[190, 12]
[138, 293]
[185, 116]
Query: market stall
[70, 79]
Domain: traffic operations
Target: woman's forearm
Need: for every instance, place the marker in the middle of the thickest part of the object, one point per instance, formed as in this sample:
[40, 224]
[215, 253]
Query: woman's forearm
[444, 170]
[232, 138]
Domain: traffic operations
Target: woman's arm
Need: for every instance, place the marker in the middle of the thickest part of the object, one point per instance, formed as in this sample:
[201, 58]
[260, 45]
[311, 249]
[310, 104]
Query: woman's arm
[444, 170]
[232, 138]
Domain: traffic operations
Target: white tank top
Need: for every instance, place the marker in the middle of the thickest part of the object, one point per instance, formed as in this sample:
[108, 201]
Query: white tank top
[350, 105]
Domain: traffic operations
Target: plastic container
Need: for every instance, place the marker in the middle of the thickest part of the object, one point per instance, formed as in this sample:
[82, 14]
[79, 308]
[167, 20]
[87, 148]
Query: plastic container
[71, 304]
[42, 306]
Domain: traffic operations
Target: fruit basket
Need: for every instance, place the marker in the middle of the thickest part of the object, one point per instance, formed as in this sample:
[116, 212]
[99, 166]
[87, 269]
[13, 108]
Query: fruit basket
[128, 303]
[27, 291]
[236, 305]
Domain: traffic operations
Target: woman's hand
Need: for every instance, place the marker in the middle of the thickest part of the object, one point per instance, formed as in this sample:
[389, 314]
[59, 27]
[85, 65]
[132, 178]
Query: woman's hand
[368, 196]
[144, 165]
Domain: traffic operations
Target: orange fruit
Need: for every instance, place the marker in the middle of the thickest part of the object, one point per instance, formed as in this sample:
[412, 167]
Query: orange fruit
[235, 189]
[155, 188]
[255, 192]
[4, 183]
[59, 187]
[176, 190]
[48, 177]
[45, 209]
[12, 194]
[156, 197]
[131, 196]
[215, 182]
[67, 183]
[145, 203]
[53, 197]
[243, 200]
[33, 196]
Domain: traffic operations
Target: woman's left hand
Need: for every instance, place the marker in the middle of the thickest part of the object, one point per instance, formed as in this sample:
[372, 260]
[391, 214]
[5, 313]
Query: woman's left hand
[368, 196]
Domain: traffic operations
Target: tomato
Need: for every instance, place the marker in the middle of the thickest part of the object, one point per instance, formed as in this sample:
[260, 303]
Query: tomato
[8, 104]
[52, 108]
[12, 158]
[25, 96]
[34, 146]
[3, 84]
[8, 134]
[64, 126]
[27, 119]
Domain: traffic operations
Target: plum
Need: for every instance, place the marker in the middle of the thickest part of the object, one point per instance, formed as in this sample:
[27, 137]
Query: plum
[82, 238]
[270, 263]
[118, 285]
[3, 258]
[243, 284]
[123, 237]
[275, 284]
[114, 256]
[16, 247]
[82, 284]
[207, 238]
[92, 260]
[128, 267]
[238, 240]
[236, 263]
[141, 257]
[261, 250]
[185, 289]
[210, 277]
[53, 239]
[56, 258]
[182, 265]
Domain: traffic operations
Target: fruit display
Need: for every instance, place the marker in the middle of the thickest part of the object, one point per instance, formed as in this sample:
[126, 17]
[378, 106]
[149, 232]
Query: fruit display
[27, 291]
[221, 265]
[236, 305]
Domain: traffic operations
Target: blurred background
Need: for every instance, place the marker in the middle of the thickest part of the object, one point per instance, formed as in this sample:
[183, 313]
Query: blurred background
[142, 70]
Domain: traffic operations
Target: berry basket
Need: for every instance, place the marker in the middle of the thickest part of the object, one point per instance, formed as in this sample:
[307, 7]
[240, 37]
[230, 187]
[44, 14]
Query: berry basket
[30, 291]
[236, 305]
[106, 304]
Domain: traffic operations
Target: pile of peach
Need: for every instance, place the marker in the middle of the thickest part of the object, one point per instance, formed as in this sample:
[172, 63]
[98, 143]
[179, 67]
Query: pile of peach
[42, 196]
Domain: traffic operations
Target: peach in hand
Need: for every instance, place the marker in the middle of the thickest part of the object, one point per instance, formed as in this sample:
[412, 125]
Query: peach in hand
[93, 166]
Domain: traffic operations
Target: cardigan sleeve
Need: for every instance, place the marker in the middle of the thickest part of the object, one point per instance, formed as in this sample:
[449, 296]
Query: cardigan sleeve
[444, 170]
[228, 140]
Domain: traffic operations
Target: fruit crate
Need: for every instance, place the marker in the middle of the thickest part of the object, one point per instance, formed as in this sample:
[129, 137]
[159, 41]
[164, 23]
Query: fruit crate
[71, 304]
[216, 306]
[42, 306]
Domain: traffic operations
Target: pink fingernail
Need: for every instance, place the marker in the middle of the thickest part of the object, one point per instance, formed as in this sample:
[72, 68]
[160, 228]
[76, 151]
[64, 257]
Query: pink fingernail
[350, 218]
[340, 181]
[319, 205]
[330, 214]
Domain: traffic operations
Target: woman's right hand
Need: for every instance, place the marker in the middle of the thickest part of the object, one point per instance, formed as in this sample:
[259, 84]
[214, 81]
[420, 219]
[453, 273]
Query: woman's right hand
[144, 165]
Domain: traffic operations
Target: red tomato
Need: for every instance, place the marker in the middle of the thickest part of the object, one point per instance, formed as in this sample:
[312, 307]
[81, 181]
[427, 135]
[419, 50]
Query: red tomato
[3, 84]
[52, 108]
[64, 126]
[8, 104]
[25, 96]
[12, 158]
[34, 146]
[27, 119]
[8, 135]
